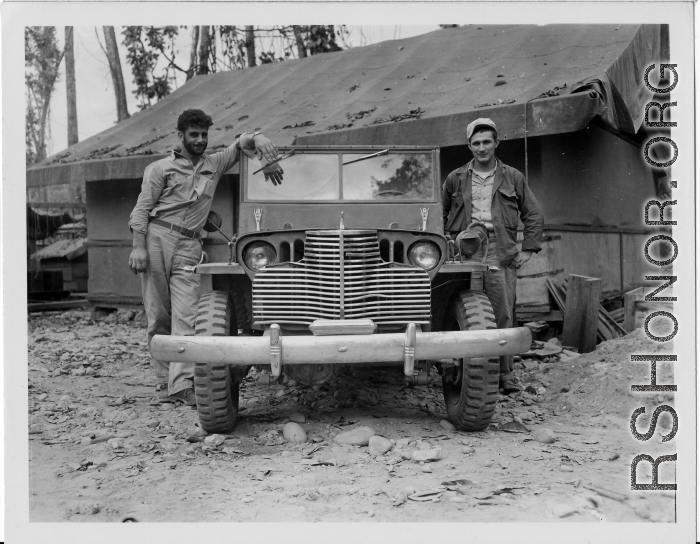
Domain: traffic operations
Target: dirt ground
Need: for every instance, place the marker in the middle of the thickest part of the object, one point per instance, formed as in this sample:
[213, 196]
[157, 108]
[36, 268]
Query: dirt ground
[102, 449]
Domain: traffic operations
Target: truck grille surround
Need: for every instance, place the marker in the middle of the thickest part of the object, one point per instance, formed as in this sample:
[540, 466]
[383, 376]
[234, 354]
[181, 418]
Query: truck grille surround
[341, 276]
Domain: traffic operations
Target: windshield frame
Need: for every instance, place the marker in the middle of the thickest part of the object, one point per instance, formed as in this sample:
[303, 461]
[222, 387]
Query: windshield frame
[340, 151]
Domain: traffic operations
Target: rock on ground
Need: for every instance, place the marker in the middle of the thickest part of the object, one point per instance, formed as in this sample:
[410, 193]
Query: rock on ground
[293, 432]
[355, 437]
[378, 445]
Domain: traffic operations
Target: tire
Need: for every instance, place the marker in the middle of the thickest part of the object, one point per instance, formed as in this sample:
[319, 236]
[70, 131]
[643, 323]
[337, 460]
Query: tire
[471, 402]
[215, 388]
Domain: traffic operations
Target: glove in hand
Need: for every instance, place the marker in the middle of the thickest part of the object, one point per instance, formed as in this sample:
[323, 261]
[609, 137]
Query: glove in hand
[273, 173]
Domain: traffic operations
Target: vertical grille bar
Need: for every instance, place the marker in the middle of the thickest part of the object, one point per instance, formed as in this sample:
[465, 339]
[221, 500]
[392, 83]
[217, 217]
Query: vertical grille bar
[342, 274]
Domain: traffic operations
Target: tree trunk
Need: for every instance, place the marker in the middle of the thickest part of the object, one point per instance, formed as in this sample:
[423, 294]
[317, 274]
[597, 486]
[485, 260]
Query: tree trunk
[193, 53]
[250, 45]
[70, 89]
[115, 67]
[41, 147]
[204, 44]
[301, 49]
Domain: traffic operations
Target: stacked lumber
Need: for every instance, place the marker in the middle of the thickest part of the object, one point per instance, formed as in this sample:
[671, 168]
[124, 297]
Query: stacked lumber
[608, 328]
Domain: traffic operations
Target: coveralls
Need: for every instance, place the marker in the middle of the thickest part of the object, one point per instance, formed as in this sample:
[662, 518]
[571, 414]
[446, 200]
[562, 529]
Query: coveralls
[176, 191]
[511, 198]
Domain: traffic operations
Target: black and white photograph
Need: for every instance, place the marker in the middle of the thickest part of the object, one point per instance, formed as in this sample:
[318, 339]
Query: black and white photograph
[372, 279]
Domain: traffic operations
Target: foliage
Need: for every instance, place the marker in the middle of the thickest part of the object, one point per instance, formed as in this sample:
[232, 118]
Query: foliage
[41, 60]
[151, 52]
[143, 58]
[413, 179]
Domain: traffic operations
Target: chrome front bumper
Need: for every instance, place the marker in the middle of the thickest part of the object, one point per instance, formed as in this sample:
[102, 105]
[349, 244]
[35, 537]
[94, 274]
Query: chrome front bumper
[399, 348]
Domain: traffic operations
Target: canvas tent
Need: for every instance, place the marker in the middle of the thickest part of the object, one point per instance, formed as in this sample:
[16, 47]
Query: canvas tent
[575, 90]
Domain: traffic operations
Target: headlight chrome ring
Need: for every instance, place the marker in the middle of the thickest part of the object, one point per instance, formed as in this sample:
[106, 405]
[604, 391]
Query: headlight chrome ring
[259, 254]
[424, 254]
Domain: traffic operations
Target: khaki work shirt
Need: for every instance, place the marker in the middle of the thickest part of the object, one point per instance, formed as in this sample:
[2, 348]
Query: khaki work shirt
[511, 198]
[176, 191]
[482, 190]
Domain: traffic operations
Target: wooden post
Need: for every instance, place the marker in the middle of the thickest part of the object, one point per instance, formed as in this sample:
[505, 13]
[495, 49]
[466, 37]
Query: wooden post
[631, 299]
[581, 314]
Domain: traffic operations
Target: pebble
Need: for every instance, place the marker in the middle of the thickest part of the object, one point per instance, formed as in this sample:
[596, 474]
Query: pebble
[403, 441]
[468, 450]
[563, 510]
[42, 397]
[90, 371]
[546, 436]
[287, 453]
[355, 437]
[169, 457]
[447, 425]
[65, 398]
[293, 432]
[566, 468]
[214, 440]
[297, 417]
[427, 455]
[524, 416]
[426, 468]
[378, 445]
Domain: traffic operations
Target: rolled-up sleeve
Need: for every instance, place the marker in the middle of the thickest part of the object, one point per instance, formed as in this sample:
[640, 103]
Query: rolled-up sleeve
[226, 159]
[151, 189]
[532, 217]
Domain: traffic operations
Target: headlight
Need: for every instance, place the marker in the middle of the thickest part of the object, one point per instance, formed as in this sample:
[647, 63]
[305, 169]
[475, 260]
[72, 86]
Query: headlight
[424, 254]
[259, 254]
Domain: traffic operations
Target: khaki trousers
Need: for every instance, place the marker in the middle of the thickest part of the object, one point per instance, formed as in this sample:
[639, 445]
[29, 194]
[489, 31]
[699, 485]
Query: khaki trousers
[170, 297]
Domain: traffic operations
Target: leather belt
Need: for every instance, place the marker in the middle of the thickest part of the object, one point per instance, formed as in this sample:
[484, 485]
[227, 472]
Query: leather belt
[177, 228]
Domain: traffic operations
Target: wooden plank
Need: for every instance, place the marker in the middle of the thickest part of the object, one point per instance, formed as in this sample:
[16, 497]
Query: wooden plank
[581, 313]
[58, 305]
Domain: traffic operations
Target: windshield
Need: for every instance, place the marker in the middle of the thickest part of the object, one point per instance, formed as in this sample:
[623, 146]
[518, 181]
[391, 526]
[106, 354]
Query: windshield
[306, 177]
[404, 176]
[371, 175]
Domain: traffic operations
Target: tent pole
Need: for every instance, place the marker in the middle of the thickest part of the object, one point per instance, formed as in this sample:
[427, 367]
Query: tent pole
[527, 178]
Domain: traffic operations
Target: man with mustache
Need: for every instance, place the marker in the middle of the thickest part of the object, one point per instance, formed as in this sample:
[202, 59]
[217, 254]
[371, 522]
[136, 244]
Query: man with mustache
[495, 194]
[176, 196]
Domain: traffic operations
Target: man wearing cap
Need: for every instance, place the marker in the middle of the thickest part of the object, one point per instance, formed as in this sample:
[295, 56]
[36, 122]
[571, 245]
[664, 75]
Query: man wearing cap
[495, 194]
[176, 196]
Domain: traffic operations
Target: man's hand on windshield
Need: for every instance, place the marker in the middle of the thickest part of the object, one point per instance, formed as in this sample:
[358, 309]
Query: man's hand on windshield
[273, 173]
[264, 148]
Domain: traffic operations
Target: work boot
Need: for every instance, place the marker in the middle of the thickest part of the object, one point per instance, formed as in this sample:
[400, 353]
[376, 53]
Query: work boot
[186, 397]
[509, 384]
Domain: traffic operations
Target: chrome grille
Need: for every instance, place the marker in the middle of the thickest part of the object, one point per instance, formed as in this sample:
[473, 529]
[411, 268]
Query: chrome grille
[353, 283]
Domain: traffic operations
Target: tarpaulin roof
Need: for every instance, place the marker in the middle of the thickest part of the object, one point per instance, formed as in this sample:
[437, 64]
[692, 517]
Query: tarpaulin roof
[70, 249]
[417, 91]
